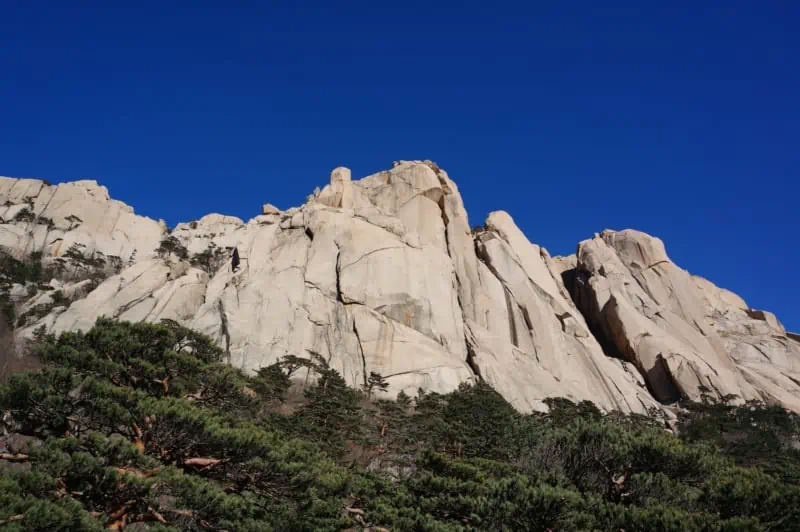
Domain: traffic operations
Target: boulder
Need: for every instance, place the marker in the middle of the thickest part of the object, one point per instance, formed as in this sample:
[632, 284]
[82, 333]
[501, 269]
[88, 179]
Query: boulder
[268, 208]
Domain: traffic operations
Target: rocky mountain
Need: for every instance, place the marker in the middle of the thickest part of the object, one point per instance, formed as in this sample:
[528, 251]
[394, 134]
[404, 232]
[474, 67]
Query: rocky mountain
[386, 275]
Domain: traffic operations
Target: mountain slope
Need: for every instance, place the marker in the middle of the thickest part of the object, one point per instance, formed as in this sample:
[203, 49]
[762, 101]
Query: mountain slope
[385, 275]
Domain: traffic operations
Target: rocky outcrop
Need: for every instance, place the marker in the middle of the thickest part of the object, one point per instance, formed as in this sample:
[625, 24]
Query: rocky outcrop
[35, 216]
[384, 274]
[765, 353]
[530, 341]
[686, 336]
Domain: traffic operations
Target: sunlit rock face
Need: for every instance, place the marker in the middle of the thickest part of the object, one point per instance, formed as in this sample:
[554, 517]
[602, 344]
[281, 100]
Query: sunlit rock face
[385, 275]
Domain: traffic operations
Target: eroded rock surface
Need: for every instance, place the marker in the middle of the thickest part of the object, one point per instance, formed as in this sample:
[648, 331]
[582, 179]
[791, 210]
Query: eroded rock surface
[685, 335]
[384, 274]
[35, 216]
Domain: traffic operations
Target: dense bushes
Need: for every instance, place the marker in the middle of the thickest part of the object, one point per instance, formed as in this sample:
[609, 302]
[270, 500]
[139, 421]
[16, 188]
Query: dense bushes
[142, 424]
[21, 271]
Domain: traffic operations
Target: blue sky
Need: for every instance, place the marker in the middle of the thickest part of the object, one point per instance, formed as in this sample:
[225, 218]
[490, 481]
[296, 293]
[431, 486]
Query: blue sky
[680, 121]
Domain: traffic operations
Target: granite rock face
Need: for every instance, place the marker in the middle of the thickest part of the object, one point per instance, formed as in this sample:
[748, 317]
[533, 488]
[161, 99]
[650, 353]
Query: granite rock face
[766, 354]
[685, 335]
[384, 274]
[35, 216]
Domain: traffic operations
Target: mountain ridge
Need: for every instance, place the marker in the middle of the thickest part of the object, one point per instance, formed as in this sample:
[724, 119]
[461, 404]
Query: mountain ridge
[386, 275]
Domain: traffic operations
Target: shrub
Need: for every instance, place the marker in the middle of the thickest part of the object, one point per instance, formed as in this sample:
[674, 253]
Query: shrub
[210, 259]
[24, 215]
[172, 246]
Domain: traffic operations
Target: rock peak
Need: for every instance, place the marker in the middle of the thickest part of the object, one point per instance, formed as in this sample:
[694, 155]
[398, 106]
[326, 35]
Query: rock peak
[383, 274]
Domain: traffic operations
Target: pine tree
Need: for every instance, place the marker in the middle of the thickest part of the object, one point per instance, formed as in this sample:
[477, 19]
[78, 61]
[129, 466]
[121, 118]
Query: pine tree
[144, 424]
[172, 246]
[375, 381]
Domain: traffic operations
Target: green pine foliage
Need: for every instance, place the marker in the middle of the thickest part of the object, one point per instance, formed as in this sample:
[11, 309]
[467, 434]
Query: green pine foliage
[209, 260]
[144, 427]
[170, 245]
[29, 270]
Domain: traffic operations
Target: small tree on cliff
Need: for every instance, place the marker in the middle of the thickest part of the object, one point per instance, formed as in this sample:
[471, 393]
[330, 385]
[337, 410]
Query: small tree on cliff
[172, 246]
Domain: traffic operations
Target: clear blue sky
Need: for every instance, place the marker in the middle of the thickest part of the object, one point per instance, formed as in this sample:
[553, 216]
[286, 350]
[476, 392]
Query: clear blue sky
[680, 121]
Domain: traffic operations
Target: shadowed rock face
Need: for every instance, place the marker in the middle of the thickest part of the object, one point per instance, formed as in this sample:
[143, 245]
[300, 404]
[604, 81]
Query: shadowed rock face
[384, 274]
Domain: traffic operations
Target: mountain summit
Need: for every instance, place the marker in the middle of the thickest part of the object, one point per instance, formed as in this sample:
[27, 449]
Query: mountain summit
[385, 275]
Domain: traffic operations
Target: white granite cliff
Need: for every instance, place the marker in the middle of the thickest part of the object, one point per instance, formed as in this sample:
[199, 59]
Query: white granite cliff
[384, 274]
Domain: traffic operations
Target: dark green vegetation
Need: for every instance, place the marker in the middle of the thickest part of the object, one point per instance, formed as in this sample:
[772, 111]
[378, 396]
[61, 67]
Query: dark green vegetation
[35, 274]
[142, 427]
[210, 259]
[170, 245]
